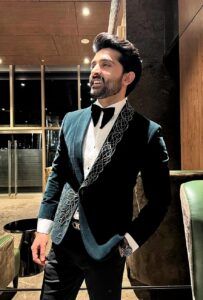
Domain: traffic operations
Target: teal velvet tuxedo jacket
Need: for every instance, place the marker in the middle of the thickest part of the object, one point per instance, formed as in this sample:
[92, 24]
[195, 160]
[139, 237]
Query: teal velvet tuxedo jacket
[105, 196]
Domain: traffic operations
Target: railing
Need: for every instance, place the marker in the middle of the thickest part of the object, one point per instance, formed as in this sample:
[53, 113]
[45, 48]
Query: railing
[135, 288]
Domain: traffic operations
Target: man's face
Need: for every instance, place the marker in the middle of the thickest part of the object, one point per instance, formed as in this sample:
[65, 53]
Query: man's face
[106, 74]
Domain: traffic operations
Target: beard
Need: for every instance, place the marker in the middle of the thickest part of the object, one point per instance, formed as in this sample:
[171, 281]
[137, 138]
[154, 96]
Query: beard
[106, 88]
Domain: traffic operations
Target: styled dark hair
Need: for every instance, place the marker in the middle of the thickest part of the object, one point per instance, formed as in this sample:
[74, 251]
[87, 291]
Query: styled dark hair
[129, 58]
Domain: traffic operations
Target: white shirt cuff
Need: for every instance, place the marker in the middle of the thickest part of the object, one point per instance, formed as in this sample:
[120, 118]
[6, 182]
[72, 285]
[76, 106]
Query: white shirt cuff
[44, 225]
[131, 242]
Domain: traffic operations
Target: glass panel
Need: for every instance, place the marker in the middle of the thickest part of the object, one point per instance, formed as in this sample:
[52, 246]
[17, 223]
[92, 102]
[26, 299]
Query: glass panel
[27, 101]
[25, 171]
[61, 97]
[4, 99]
[86, 99]
[52, 137]
[4, 159]
[29, 162]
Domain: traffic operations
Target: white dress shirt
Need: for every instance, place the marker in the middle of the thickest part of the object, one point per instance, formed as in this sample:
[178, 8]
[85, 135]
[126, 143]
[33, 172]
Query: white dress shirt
[93, 142]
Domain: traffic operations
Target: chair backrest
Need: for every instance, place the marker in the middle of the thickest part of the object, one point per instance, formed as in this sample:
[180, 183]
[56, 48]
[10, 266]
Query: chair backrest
[7, 266]
[191, 194]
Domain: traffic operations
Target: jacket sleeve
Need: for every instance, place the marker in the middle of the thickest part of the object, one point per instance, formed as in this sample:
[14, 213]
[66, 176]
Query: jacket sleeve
[156, 184]
[59, 175]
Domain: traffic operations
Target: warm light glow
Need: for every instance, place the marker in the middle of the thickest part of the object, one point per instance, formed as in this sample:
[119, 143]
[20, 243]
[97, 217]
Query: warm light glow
[3, 109]
[22, 84]
[85, 11]
[86, 60]
[1, 60]
[85, 41]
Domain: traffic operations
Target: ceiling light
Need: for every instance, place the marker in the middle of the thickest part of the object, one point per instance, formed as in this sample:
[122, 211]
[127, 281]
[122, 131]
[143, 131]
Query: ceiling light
[85, 41]
[86, 61]
[22, 84]
[85, 11]
[1, 60]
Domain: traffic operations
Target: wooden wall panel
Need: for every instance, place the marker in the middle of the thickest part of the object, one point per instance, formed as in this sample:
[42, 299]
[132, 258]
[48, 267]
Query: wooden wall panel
[191, 94]
[187, 10]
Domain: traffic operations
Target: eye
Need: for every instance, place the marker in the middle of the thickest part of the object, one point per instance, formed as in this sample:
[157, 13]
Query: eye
[106, 64]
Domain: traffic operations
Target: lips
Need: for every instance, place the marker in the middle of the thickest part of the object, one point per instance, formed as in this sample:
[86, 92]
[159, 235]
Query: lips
[96, 82]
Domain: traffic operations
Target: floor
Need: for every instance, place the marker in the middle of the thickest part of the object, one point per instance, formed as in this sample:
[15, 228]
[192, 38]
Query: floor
[26, 206]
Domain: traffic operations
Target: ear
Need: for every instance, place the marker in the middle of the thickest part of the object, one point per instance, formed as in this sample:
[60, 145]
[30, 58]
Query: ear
[128, 78]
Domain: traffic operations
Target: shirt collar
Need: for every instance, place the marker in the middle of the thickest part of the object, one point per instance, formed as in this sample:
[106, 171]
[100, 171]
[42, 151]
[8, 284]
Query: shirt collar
[118, 105]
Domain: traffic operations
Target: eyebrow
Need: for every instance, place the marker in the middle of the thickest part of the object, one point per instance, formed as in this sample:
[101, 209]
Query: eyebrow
[103, 60]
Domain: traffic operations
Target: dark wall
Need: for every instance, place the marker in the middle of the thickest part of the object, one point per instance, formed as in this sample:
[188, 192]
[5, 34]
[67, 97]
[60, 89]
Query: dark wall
[152, 25]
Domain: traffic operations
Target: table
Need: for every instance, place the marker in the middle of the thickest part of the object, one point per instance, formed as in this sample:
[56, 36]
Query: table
[27, 227]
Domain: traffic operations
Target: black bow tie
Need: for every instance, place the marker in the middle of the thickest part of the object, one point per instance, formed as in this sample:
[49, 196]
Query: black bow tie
[96, 111]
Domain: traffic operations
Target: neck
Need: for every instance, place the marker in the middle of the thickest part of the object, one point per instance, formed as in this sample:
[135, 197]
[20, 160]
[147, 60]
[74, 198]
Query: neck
[111, 100]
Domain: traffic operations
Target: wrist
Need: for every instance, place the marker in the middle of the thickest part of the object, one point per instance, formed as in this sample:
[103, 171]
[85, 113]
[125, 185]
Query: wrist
[37, 233]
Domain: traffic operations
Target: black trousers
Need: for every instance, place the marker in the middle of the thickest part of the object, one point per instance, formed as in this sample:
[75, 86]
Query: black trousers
[69, 264]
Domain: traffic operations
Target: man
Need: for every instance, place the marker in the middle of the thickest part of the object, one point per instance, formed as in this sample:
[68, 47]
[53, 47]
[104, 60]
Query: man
[88, 202]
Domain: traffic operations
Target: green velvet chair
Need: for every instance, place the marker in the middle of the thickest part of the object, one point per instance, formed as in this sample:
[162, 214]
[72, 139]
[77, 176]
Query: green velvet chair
[163, 259]
[9, 262]
[191, 194]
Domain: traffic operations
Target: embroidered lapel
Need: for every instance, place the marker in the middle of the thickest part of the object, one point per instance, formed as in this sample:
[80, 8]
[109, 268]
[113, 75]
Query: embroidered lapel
[109, 146]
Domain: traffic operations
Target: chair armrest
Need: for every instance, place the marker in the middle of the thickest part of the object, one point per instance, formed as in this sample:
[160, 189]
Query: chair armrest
[191, 194]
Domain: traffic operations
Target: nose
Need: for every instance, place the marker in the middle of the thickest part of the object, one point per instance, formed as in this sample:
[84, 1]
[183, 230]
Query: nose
[95, 70]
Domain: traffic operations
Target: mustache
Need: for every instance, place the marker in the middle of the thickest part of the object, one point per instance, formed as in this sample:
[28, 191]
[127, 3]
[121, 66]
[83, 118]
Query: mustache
[97, 77]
